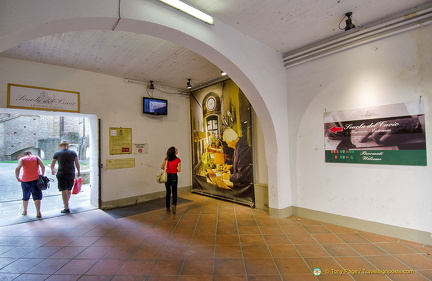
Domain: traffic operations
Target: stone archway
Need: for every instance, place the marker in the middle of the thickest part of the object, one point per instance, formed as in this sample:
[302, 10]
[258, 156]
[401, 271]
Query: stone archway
[255, 68]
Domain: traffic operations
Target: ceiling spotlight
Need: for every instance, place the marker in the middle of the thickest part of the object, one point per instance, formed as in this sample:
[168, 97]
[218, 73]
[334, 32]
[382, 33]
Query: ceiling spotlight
[151, 85]
[348, 21]
[188, 85]
[223, 73]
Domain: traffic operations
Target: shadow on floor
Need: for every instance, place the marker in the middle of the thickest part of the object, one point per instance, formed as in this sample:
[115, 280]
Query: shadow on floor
[144, 207]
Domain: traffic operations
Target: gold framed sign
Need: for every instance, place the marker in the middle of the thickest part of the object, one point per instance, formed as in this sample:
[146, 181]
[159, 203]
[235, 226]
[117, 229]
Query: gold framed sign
[120, 140]
[38, 98]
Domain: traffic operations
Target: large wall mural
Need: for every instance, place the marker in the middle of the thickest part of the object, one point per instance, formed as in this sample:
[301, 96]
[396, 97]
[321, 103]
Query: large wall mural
[221, 135]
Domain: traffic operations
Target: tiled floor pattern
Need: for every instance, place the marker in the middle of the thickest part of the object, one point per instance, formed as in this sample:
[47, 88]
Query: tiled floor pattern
[207, 240]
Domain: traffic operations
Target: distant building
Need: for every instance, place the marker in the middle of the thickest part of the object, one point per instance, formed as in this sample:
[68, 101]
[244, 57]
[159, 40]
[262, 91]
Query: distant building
[41, 134]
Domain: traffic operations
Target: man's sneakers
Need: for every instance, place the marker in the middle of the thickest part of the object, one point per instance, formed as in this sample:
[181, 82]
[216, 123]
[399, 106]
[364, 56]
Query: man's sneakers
[174, 209]
[65, 211]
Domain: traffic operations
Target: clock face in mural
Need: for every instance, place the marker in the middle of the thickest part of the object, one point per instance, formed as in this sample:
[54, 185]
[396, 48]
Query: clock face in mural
[211, 103]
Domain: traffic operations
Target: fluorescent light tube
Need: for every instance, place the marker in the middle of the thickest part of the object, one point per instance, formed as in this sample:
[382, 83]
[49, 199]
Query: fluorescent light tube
[189, 10]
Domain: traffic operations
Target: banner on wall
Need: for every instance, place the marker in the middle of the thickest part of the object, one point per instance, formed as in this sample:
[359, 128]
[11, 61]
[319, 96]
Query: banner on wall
[221, 135]
[389, 135]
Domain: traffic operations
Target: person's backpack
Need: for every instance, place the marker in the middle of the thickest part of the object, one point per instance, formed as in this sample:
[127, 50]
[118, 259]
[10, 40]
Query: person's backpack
[43, 182]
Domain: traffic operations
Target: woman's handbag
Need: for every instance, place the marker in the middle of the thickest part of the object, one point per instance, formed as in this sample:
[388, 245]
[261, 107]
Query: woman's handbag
[77, 186]
[43, 182]
[162, 177]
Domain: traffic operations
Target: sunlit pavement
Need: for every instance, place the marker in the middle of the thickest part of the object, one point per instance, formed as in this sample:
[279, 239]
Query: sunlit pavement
[11, 206]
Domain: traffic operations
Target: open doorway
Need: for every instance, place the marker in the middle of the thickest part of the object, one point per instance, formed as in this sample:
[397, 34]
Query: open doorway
[41, 132]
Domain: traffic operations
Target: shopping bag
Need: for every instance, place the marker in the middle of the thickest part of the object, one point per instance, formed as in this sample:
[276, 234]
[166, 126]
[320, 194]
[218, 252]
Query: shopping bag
[77, 186]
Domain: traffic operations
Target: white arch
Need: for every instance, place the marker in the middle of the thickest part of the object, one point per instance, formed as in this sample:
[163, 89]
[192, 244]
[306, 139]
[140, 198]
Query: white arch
[256, 68]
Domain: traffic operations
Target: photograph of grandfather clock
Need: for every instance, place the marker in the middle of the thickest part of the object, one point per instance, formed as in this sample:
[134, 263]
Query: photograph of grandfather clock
[212, 113]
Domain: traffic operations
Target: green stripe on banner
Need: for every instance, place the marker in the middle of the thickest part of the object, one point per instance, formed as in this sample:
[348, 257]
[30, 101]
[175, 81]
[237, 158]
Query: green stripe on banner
[382, 157]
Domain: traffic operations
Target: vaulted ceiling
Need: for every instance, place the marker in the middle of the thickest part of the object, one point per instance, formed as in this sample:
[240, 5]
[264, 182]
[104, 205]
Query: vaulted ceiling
[285, 25]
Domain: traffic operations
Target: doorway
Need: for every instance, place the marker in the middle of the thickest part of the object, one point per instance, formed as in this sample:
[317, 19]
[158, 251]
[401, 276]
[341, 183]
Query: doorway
[41, 132]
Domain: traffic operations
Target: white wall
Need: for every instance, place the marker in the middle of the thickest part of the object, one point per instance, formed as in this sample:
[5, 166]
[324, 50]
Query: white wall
[259, 152]
[393, 70]
[117, 104]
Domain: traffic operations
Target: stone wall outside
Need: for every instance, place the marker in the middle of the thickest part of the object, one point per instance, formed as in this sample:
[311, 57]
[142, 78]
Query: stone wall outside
[41, 134]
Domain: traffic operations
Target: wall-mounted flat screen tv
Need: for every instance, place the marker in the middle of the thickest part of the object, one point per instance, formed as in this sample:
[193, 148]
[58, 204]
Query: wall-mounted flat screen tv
[155, 106]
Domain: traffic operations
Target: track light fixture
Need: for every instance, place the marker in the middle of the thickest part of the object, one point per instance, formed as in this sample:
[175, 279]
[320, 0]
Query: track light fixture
[151, 85]
[201, 85]
[223, 73]
[348, 21]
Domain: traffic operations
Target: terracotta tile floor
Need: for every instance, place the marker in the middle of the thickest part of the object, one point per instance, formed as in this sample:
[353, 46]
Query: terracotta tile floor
[207, 240]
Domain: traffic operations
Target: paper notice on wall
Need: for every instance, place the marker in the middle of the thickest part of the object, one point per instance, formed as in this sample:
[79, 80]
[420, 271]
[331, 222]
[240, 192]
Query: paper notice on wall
[141, 148]
[120, 163]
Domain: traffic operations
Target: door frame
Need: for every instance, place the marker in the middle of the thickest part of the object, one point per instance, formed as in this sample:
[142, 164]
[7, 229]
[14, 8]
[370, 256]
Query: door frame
[94, 145]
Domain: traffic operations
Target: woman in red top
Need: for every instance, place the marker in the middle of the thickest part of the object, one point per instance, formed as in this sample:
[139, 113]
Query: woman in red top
[30, 176]
[173, 166]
